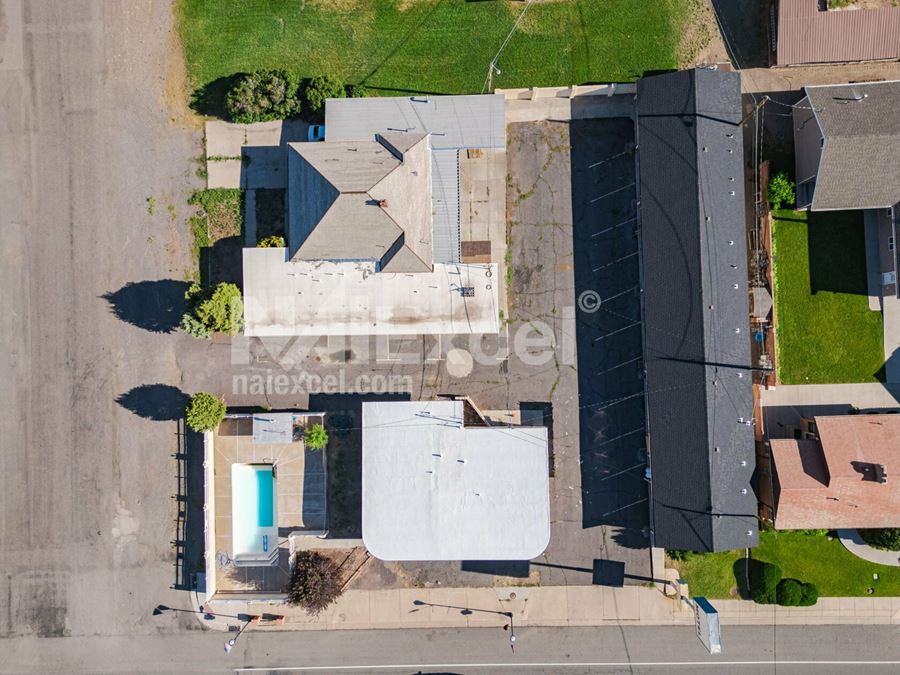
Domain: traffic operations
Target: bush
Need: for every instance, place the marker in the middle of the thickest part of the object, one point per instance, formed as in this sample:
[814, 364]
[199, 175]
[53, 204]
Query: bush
[809, 595]
[764, 578]
[814, 533]
[316, 437]
[221, 311]
[317, 90]
[205, 412]
[271, 242]
[315, 582]
[789, 592]
[356, 91]
[263, 96]
[678, 554]
[887, 539]
[781, 191]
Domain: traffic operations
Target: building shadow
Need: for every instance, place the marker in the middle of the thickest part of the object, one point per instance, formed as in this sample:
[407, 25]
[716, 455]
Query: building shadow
[189, 540]
[155, 306]
[223, 262]
[519, 569]
[157, 402]
[209, 99]
[889, 375]
[837, 252]
[743, 25]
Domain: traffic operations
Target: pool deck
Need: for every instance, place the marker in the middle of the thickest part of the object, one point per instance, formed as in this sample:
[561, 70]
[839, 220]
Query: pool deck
[300, 486]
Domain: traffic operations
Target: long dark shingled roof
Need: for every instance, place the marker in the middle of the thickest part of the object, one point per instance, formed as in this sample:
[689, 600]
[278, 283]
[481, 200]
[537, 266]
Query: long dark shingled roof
[696, 310]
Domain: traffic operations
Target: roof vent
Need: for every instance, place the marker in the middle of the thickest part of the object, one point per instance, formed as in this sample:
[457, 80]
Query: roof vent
[880, 474]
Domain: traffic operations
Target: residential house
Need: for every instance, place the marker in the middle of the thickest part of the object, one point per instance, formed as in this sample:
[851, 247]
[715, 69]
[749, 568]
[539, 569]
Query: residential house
[696, 311]
[846, 142]
[838, 474]
[378, 239]
[808, 32]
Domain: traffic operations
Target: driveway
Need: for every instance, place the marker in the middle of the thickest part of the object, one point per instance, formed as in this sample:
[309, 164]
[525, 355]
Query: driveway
[92, 286]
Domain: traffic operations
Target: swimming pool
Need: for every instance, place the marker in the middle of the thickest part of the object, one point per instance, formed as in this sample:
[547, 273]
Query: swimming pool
[254, 514]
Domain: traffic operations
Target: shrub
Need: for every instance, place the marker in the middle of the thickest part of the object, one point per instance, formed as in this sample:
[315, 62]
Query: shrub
[789, 592]
[205, 412]
[316, 437]
[809, 595]
[271, 242]
[194, 327]
[781, 191]
[887, 539]
[678, 554]
[317, 90]
[262, 96]
[315, 582]
[814, 533]
[356, 91]
[764, 578]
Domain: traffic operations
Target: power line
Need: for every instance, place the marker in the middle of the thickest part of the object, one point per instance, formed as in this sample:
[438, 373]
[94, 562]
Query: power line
[492, 66]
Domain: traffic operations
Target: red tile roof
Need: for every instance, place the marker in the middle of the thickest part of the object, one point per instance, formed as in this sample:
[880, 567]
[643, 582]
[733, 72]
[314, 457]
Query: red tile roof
[831, 484]
[808, 35]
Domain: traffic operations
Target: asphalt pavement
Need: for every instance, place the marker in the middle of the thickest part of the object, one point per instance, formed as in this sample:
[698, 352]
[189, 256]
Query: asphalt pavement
[764, 649]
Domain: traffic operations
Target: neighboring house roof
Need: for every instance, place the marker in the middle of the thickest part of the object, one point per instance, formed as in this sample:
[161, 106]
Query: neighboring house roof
[362, 200]
[696, 310]
[831, 482]
[859, 166]
[809, 35]
[455, 123]
[434, 489]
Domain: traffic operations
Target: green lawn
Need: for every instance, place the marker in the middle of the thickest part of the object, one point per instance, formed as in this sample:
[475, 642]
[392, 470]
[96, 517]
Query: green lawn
[825, 332]
[439, 46]
[827, 564]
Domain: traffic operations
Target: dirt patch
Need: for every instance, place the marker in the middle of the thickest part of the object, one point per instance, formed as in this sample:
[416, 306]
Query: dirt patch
[700, 39]
[176, 90]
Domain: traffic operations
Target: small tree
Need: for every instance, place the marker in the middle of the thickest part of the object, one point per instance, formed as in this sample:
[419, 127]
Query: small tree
[315, 582]
[809, 595]
[781, 191]
[262, 96]
[789, 592]
[316, 437]
[271, 242]
[220, 311]
[205, 412]
[317, 90]
[764, 578]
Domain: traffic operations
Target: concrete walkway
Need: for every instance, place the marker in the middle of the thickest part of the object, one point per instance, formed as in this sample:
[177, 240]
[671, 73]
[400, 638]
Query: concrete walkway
[795, 77]
[854, 543]
[867, 396]
[545, 606]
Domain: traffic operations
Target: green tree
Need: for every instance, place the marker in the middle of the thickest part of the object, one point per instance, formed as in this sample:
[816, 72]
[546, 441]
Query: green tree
[315, 582]
[764, 578]
[262, 96]
[315, 93]
[789, 592]
[316, 437]
[205, 411]
[223, 311]
[781, 191]
[271, 242]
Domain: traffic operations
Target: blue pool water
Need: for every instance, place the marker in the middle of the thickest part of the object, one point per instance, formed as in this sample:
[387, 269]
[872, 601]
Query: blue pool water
[265, 486]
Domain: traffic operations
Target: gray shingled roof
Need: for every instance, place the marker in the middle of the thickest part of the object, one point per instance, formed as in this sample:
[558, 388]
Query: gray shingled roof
[860, 163]
[362, 200]
[693, 254]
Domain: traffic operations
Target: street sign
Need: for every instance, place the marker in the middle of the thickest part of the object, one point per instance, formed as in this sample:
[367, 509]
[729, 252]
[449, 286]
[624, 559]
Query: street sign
[706, 619]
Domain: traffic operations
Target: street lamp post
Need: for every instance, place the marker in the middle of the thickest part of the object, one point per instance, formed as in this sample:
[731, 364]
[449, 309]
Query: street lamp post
[229, 645]
[468, 610]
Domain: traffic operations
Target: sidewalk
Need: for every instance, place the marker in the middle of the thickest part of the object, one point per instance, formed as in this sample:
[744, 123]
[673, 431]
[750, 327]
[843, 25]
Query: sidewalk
[547, 606]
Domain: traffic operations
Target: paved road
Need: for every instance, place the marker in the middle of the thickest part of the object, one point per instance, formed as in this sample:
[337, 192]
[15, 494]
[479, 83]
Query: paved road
[820, 649]
[86, 514]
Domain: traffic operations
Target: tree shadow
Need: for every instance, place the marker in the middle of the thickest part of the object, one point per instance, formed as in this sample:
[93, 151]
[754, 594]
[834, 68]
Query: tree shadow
[157, 402]
[209, 99]
[837, 252]
[155, 306]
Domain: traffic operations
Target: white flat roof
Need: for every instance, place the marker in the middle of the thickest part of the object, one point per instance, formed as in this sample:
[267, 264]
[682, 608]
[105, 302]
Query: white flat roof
[284, 298]
[436, 490]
